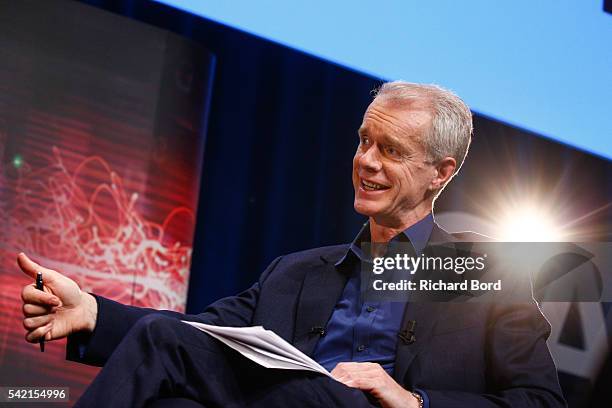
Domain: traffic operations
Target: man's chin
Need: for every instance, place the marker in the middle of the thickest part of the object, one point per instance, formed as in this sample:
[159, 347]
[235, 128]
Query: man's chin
[366, 209]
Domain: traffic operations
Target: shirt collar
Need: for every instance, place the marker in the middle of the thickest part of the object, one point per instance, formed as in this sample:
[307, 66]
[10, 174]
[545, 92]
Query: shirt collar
[417, 234]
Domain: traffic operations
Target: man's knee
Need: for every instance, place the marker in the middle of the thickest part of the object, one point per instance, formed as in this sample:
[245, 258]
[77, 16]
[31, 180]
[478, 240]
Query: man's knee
[162, 331]
[157, 328]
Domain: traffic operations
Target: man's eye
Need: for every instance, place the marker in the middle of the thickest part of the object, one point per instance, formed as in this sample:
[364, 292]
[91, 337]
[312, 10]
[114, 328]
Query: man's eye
[392, 151]
[364, 140]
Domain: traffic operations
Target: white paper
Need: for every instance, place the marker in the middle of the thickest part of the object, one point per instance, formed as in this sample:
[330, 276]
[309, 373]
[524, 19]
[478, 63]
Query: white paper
[262, 346]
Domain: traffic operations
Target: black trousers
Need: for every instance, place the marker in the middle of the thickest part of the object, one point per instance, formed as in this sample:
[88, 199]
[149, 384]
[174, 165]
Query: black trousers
[161, 358]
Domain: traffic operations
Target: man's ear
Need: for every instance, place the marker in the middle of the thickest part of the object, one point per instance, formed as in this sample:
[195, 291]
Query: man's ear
[445, 169]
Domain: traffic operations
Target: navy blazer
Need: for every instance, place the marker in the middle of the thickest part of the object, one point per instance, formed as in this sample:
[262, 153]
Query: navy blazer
[465, 354]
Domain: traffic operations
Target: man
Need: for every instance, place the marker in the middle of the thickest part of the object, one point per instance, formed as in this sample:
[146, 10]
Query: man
[412, 141]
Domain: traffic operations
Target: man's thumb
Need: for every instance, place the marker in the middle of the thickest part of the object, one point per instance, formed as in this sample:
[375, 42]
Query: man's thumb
[28, 266]
[31, 268]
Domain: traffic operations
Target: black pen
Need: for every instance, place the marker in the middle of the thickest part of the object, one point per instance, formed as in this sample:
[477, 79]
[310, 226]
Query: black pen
[39, 286]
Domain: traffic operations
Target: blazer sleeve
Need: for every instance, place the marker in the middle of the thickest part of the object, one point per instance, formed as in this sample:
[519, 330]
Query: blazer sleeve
[114, 320]
[520, 369]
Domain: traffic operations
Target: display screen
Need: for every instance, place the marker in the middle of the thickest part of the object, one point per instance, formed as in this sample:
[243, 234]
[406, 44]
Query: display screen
[100, 171]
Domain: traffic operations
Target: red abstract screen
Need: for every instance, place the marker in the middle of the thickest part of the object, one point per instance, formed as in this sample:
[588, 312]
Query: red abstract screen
[101, 140]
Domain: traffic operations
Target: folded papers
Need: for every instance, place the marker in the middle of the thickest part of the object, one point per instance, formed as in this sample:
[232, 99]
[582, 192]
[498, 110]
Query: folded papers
[262, 346]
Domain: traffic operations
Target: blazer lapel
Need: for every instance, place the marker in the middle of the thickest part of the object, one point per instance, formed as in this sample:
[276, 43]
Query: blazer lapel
[320, 292]
[425, 316]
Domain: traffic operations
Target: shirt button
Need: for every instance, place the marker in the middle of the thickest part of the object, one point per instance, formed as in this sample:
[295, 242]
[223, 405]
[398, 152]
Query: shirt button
[370, 309]
[361, 347]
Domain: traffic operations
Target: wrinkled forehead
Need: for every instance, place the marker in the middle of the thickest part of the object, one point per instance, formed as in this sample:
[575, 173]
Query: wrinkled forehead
[397, 119]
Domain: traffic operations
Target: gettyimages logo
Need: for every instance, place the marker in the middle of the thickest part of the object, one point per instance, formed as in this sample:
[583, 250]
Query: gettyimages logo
[458, 264]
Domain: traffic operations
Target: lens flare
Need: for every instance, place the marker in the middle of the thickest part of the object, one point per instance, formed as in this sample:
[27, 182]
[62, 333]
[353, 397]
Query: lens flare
[528, 223]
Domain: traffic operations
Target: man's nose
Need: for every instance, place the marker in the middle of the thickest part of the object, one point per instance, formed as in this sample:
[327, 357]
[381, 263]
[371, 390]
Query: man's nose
[370, 159]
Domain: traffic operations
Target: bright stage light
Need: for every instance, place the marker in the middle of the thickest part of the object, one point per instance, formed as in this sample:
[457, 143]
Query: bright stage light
[528, 224]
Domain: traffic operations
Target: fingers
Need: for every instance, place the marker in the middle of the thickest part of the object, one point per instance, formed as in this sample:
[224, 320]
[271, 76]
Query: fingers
[32, 323]
[30, 310]
[29, 294]
[344, 369]
[365, 376]
[34, 335]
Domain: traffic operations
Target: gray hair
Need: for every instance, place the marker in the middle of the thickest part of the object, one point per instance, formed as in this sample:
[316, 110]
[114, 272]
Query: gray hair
[451, 128]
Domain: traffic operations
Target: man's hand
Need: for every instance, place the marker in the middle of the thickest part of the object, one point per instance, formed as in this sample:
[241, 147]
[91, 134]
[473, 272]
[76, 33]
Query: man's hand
[374, 379]
[57, 311]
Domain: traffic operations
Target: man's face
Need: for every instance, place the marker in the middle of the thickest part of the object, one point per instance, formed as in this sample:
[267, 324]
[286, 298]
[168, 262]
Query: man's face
[391, 174]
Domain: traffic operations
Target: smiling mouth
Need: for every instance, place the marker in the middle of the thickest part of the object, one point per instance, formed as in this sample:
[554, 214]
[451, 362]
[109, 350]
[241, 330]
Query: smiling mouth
[369, 186]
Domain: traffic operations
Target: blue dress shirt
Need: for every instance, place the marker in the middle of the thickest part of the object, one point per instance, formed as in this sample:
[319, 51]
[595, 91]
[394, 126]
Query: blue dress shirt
[366, 331]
